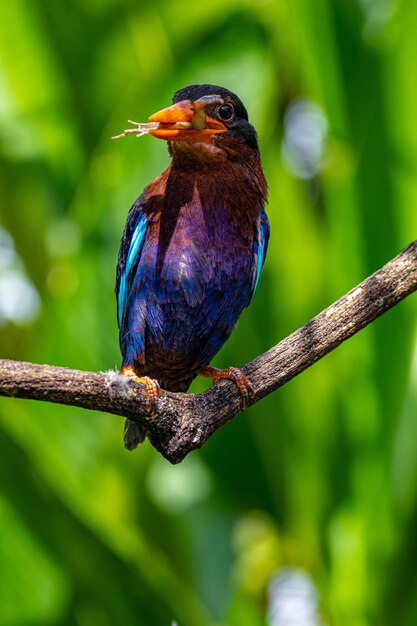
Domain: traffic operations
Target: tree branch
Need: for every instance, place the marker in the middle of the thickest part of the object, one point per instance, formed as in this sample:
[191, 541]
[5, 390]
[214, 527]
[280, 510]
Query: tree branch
[185, 421]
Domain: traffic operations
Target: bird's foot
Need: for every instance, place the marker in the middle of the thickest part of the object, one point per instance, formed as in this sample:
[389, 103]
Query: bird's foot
[231, 373]
[153, 390]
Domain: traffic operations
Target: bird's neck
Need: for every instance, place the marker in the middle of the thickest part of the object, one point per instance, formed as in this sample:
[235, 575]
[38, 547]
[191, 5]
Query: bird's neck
[231, 172]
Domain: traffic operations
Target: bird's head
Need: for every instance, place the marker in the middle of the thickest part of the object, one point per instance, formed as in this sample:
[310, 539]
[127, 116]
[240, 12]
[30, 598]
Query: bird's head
[208, 115]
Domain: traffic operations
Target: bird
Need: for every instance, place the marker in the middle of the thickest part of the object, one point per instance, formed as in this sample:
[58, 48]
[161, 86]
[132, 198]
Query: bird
[193, 247]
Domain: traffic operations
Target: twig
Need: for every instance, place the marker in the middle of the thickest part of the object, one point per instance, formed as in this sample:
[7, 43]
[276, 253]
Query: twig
[185, 421]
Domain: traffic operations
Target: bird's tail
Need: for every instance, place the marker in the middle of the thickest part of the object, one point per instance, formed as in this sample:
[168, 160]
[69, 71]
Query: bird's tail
[134, 434]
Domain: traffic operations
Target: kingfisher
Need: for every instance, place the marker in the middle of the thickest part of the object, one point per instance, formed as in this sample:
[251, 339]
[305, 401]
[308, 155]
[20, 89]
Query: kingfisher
[193, 247]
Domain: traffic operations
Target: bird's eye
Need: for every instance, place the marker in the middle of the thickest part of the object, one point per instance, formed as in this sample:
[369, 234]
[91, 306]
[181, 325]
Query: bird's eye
[225, 112]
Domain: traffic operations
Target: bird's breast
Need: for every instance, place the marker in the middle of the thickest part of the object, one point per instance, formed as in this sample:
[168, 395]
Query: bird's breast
[204, 244]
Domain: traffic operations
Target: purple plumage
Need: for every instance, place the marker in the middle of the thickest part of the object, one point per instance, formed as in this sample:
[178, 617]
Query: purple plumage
[192, 250]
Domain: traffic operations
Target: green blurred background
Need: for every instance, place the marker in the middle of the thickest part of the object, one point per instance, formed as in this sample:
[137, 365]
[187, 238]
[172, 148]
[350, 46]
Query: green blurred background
[314, 488]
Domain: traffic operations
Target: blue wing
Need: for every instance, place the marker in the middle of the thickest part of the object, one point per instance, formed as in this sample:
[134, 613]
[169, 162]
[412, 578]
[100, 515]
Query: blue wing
[129, 256]
[260, 247]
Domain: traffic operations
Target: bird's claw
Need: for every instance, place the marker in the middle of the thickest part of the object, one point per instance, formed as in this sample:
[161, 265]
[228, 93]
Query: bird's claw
[242, 383]
[234, 374]
[153, 390]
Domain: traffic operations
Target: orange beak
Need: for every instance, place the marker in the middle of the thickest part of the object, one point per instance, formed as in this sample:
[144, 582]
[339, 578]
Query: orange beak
[187, 121]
